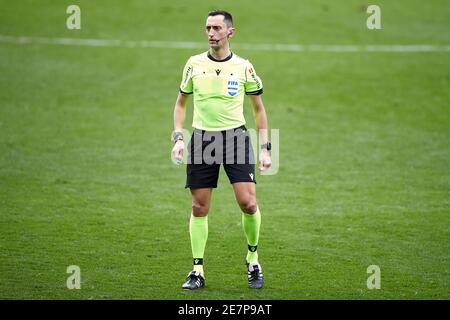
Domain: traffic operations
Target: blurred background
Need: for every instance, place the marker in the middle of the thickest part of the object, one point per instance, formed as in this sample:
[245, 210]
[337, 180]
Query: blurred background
[86, 177]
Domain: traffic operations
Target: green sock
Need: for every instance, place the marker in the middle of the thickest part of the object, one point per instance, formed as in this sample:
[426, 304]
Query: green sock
[251, 224]
[198, 229]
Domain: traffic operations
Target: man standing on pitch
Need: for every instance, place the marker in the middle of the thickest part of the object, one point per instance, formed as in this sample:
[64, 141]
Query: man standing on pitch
[218, 80]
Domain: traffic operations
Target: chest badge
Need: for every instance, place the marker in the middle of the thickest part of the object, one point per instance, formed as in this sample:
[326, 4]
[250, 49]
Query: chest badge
[232, 87]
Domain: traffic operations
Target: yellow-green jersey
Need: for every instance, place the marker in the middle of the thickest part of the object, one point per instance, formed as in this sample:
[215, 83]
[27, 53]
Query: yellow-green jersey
[219, 87]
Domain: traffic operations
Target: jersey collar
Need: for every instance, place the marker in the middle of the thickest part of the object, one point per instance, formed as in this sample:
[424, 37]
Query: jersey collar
[214, 59]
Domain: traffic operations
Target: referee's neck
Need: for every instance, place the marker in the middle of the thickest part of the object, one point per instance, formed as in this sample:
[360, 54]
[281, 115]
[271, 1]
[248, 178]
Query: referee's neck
[220, 54]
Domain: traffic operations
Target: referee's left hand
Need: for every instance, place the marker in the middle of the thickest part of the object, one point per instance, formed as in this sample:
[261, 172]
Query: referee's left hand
[264, 161]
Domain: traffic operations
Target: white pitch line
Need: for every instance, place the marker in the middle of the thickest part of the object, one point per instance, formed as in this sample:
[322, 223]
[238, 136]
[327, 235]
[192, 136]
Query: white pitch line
[200, 45]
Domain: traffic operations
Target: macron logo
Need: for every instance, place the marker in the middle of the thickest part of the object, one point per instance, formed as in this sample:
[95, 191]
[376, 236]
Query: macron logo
[251, 176]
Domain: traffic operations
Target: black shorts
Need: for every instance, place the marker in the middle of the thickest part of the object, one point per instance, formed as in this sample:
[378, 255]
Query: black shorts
[209, 149]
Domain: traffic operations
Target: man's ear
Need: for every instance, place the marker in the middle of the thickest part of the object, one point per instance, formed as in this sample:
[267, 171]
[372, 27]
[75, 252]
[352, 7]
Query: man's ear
[231, 32]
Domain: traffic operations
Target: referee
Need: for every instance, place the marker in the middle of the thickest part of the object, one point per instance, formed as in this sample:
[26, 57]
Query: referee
[218, 80]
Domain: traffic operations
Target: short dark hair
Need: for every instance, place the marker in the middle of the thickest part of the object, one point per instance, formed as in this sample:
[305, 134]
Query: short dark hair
[227, 17]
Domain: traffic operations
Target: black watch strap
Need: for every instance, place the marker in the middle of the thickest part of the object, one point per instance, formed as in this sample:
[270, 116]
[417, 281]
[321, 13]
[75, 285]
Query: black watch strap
[267, 146]
[177, 135]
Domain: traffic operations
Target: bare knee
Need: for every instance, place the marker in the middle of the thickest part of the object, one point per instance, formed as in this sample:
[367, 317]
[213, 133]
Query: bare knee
[249, 206]
[199, 209]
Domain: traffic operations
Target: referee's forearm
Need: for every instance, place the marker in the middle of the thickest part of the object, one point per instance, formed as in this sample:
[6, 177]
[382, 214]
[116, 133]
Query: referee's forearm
[179, 113]
[262, 125]
[259, 113]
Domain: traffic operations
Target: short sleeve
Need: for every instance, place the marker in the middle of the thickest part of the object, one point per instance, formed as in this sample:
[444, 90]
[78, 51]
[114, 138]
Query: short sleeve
[253, 84]
[186, 86]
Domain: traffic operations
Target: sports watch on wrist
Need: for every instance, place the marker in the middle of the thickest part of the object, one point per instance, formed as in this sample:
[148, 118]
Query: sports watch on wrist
[267, 146]
[177, 135]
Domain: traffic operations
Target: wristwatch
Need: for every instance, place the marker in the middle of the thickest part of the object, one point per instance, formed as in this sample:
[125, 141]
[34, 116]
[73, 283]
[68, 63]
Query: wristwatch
[177, 135]
[267, 146]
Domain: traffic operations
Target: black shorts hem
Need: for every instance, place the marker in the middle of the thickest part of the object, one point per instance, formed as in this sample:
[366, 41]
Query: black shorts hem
[199, 186]
[235, 181]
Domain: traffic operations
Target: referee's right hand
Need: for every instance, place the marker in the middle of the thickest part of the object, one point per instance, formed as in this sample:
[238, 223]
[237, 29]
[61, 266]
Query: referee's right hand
[177, 151]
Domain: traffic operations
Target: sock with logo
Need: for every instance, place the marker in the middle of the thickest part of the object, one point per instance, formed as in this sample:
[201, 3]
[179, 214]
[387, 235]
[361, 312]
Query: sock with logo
[198, 229]
[251, 224]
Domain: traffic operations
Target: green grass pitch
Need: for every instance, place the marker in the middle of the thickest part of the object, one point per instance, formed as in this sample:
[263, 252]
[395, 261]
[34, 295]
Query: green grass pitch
[86, 177]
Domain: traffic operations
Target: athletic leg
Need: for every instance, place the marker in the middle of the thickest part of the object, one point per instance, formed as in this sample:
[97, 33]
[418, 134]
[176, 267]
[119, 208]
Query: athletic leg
[201, 178]
[198, 224]
[245, 193]
[198, 230]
